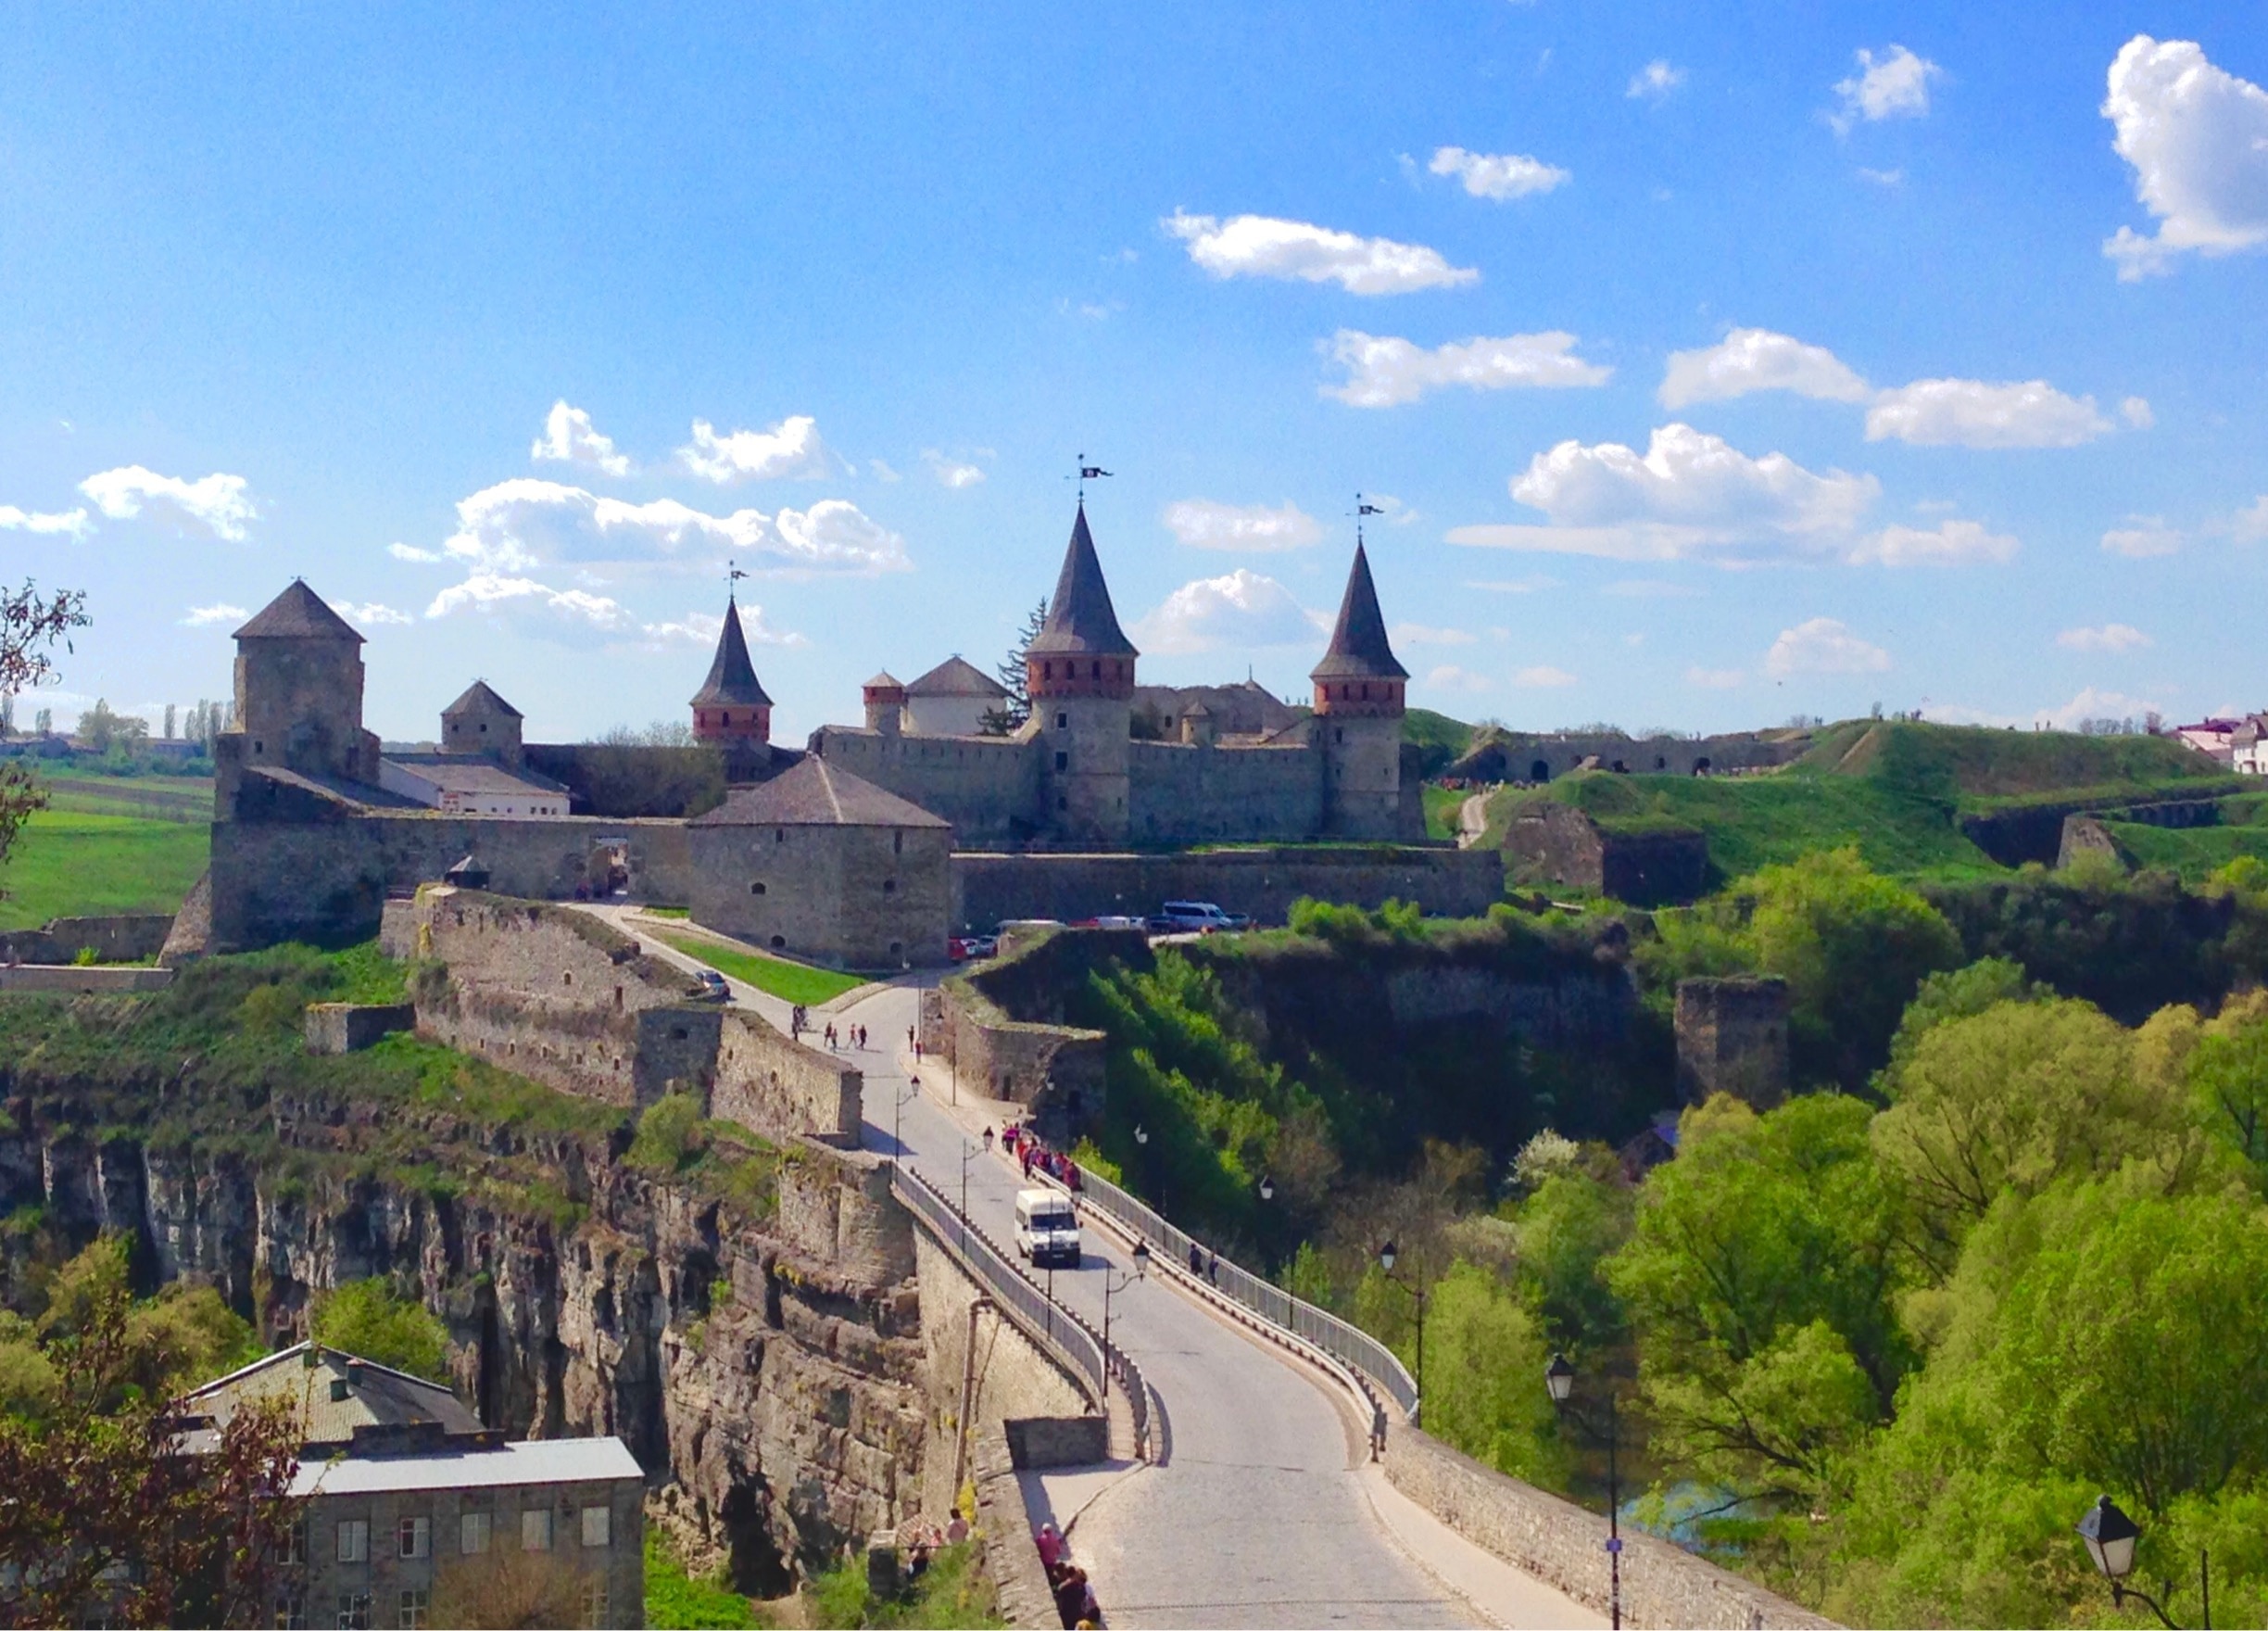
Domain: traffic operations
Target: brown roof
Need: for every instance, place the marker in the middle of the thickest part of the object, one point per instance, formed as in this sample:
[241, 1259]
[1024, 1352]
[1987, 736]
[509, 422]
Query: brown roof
[303, 1375]
[1080, 620]
[299, 614]
[480, 699]
[1358, 647]
[884, 681]
[955, 677]
[814, 793]
[732, 677]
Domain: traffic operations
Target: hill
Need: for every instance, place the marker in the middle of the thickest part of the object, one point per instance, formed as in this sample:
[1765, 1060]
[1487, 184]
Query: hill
[1443, 738]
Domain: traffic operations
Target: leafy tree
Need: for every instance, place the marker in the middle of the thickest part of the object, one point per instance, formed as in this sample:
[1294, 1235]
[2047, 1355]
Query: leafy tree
[103, 1516]
[2228, 1076]
[1575, 1221]
[508, 1589]
[101, 727]
[367, 1319]
[1761, 1279]
[1485, 1354]
[30, 625]
[1012, 674]
[1960, 993]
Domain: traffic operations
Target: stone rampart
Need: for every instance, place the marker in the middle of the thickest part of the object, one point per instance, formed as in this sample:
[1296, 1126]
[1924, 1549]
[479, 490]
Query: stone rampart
[1000, 1025]
[2088, 837]
[1534, 757]
[987, 786]
[1262, 882]
[835, 1206]
[1566, 1546]
[1187, 793]
[348, 1027]
[86, 980]
[1549, 841]
[779, 1089]
[112, 940]
[1058, 1441]
[2017, 833]
[1005, 1527]
[1732, 1037]
[1591, 1008]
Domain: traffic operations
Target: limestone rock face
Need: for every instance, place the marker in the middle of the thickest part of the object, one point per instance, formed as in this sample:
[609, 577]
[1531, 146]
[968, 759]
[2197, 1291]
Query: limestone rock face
[775, 1398]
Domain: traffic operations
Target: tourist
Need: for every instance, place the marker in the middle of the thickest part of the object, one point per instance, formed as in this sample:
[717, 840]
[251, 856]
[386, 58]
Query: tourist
[1029, 1153]
[1213, 1267]
[1051, 1546]
[1196, 1259]
[988, 1137]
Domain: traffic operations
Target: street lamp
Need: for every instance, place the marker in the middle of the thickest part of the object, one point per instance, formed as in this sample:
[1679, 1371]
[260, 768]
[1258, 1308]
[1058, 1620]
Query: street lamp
[1268, 1187]
[2111, 1535]
[1559, 1381]
[912, 1091]
[1386, 1257]
[1142, 1271]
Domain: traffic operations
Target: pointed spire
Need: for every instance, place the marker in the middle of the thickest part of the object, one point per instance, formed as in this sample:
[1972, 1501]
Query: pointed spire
[732, 677]
[1359, 648]
[1080, 621]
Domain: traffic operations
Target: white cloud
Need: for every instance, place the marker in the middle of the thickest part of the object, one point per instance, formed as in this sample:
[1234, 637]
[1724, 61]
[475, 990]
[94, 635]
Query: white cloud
[371, 612]
[882, 471]
[1450, 677]
[1894, 86]
[1204, 524]
[1650, 588]
[1823, 646]
[1982, 413]
[1949, 543]
[1419, 634]
[570, 439]
[218, 503]
[1239, 612]
[2198, 139]
[1544, 677]
[568, 613]
[219, 611]
[2143, 537]
[2249, 525]
[1513, 586]
[524, 523]
[699, 630]
[1383, 371]
[2136, 412]
[1757, 360]
[951, 473]
[1716, 679]
[1883, 178]
[2090, 704]
[68, 523]
[790, 448]
[412, 553]
[1499, 175]
[1263, 246]
[1655, 81]
[1395, 512]
[2111, 637]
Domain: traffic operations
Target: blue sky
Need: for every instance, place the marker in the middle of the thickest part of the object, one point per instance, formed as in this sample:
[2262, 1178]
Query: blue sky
[1714, 363]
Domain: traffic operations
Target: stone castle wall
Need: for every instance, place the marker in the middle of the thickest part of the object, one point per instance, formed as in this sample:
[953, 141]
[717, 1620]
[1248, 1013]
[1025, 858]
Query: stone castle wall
[112, 940]
[987, 786]
[1260, 883]
[1525, 756]
[1732, 1037]
[780, 1089]
[857, 897]
[1554, 843]
[1186, 793]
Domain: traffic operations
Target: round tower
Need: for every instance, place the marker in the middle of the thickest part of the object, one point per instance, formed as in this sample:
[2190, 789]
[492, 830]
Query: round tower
[1358, 704]
[1079, 675]
[884, 703]
[731, 708]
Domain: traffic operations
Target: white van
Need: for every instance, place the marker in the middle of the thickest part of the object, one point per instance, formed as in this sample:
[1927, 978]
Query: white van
[1047, 1229]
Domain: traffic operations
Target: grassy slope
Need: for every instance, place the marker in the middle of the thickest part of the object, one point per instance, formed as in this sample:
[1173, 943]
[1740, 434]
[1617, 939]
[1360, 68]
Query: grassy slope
[791, 982]
[1441, 810]
[1443, 738]
[66, 863]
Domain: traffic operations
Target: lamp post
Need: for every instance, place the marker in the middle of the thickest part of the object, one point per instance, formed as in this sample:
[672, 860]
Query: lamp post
[2111, 1535]
[1142, 1271]
[1387, 1254]
[1141, 1142]
[1559, 1381]
[968, 1150]
[912, 1092]
[1268, 1187]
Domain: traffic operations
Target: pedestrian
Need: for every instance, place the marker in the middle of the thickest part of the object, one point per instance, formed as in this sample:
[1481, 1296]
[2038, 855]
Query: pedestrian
[1027, 1163]
[1196, 1259]
[988, 1140]
[917, 1051]
[1051, 1546]
[1213, 1267]
[830, 1038]
[909, 1036]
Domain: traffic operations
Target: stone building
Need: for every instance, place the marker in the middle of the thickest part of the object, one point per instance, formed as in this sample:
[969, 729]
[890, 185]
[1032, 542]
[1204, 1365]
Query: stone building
[1732, 1037]
[955, 697]
[409, 1497]
[820, 864]
[1076, 776]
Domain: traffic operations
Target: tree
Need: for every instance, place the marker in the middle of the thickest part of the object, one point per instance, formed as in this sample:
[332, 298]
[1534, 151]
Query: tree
[102, 724]
[30, 625]
[1005, 719]
[43, 721]
[367, 1319]
[169, 722]
[510, 1588]
[106, 1518]
[2227, 1073]
[1485, 1355]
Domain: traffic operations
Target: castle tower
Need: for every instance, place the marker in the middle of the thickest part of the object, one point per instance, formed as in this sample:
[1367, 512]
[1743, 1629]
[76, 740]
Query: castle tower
[1358, 706]
[884, 703]
[482, 722]
[731, 708]
[1079, 673]
[298, 695]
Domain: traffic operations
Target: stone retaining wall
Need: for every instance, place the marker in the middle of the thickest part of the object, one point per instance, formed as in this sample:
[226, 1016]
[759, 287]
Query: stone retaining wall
[1566, 1546]
[125, 939]
[348, 1027]
[86, 981]
[1005, 1529]
[779, 1089]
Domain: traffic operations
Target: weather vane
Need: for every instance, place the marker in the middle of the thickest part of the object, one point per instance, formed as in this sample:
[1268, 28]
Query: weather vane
[1087, 472]
[1362, 508]
[733, 574]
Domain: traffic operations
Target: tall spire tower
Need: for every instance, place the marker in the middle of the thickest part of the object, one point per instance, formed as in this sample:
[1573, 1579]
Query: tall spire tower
[1358, 704]
[1079, 673]
[731, 708]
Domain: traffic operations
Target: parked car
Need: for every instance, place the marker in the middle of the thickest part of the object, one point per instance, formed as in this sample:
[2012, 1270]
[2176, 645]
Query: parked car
[1047, 1229]
[714, 988]
[961, 948]
[1196, 917]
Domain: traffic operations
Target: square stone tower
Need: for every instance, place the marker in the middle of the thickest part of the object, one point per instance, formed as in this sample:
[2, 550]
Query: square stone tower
[298, 696]
[1079, 673]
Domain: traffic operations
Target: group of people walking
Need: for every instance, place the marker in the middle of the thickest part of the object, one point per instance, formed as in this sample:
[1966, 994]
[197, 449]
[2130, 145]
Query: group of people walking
[847, 1036]
[1021, 1141]
[1075, 1599]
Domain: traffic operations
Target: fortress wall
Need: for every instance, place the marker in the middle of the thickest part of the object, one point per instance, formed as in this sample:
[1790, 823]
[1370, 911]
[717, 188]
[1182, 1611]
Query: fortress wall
[112, 940]
[780, 1089]
[1262, 882]
[1179, 793]
[1514, 757]
[987, 786]
[859, 897]
[327, 881]
[835, 1206]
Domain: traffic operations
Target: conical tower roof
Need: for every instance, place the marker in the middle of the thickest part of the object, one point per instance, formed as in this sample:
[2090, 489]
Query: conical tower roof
[299, 614]
[732, 677]
[1080, 621]
[1358, 647]
[480, 698]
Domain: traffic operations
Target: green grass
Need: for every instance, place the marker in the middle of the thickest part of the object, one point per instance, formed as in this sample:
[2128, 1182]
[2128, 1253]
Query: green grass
[71, 863]
[953, 1592]
[1441, 810]
[791, 982]
[1443, 738]
[2194, 853]
[172, 798]
[1974, 762]
[676, 912]
[676, 1601]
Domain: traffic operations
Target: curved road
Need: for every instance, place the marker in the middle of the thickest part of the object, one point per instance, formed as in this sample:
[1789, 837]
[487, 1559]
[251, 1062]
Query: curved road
[1264, 1510]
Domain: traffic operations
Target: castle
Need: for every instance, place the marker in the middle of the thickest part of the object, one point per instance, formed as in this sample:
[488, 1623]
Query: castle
[854, 850]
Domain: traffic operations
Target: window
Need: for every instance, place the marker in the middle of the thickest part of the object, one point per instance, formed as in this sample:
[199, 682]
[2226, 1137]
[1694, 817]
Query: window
[416, 1608]
[897, 843]
[354, 1610]
[779, 943]
[725, 719]
[1062, 760]
[414, 1535]
[354, 1542]
[472, 1533]
[295, 1545]
[756, 889]
[780, 835]
[291, 1613]
[535, 1530]
[1063, 722]
[595, 1601]
[598, 1526]
[889, 886]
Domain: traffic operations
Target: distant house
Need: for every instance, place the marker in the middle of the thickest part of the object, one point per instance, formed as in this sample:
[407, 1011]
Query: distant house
[952, 700]
[464, 784]
[408, 1493]
[2247, 754]
[1657, 1144]
[2213, 737]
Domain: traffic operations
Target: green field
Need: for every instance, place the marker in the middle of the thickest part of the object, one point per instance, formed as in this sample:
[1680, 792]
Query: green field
[1441, 809]
[791, 982]
[71, 863]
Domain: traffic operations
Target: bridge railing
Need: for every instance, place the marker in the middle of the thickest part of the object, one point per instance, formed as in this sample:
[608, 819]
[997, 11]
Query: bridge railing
[1348, 1344]
[1055, 1328]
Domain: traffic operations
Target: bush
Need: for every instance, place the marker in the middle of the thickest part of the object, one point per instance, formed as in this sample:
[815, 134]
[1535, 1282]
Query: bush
[367, 1319]
[670, 1135]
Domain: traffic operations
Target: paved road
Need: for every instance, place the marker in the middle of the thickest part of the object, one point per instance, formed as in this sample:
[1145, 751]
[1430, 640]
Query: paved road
[1264, 1511]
